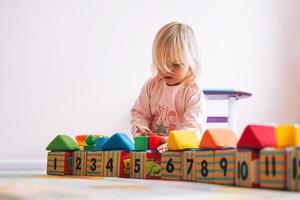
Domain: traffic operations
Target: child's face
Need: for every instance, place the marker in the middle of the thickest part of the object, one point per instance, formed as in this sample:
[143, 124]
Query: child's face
[178, 73]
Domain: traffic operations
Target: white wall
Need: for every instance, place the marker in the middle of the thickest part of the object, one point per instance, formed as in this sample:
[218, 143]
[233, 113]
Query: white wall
[70, 66]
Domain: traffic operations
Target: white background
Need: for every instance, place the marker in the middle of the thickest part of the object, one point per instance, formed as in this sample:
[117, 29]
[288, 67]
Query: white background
[76, 67]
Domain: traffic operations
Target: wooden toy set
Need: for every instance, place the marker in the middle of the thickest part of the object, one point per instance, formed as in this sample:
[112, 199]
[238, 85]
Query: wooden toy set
[264, 156]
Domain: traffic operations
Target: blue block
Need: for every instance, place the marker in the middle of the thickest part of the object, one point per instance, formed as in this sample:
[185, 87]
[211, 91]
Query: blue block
[118, 141]
[99, 143]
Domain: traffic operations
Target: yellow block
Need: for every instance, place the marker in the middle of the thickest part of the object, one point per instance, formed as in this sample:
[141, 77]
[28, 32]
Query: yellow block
[56, 163]
[94, 163]
[171, 165]
[79, 163]
[225, 166]
[246, 168]
[205, 166]
[287, 136]
[293, 169]
[188, 164]
[138, 165]
[111, 164]
[181, 139]
[272, 171]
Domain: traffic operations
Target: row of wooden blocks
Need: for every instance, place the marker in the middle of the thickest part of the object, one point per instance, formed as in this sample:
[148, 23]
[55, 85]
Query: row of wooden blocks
[277, 168]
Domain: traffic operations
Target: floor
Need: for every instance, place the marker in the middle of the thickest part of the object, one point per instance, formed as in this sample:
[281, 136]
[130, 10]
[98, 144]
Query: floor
[16, 185]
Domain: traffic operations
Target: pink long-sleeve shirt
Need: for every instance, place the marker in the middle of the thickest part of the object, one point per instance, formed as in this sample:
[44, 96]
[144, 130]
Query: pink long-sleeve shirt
[161, 108]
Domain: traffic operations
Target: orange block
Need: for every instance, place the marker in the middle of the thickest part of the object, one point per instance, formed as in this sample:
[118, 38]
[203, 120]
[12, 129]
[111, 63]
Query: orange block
[218, 138]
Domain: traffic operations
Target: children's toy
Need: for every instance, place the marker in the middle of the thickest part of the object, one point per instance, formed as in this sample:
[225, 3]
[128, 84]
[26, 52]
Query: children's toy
[287, 136]
[138, 165]
[62, 143]
[99, 143]
[180, 140]
[79, 163]
[153, 165]
[188, 165]
[171, 165]
[205, 166]
[118, 141]
[81, 141]
[141, 143]
[293, 168]
[90, 143]
[94, 163]
[59, 163]
[125, 164]
[246, 164]
[218, 138]
[155, 141]
[272, 168]
[257, 136]
[225, 166]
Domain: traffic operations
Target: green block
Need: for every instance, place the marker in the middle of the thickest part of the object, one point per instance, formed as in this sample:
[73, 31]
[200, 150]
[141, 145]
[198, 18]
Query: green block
[89, 148]
[62, 143]
[141, 143]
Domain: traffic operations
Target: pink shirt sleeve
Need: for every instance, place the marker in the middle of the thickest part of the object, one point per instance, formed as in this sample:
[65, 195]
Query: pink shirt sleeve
[141, 113]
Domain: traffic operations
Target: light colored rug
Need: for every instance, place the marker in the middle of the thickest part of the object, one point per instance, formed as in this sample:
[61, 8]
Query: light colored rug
[37, 185]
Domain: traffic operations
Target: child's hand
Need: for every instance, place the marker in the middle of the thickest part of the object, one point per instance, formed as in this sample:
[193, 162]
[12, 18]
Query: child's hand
[162, 148]
[143, 132]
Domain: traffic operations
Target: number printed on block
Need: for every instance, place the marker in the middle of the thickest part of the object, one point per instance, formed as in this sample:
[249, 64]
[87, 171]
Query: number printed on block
[59, 163]
[272, 171]
[188, 164]
[293, 168]
[171, 165]
[94, 163]
[138, 165]
[110, 164]
[205, 166]
[246, 168]
[79, 163]
[225, 166]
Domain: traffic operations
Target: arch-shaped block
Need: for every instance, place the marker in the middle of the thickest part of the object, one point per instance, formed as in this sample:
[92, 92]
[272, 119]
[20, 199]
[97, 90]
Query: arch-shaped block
[118, 141]
[62, 143]
[218, 138]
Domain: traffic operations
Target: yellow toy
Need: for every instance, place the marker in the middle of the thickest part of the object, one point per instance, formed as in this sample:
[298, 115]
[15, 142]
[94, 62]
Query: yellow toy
[182, 139]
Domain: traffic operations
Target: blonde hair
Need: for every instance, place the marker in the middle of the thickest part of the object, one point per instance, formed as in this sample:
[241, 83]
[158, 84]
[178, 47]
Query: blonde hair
[177, 42]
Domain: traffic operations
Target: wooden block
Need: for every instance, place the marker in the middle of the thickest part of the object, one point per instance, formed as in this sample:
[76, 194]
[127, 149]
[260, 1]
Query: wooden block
[141, 143]
[171, 165]
[155, 141]
[272, 168]
[59, 163]
[287, 136]
[225, 166]
[79, 163]
[111, 163]
[138, 167]
[188, 166]
[246, 164]
[182, 139]
[153, 165]
[125, 164]
[94, 163]
[218, 138]
[293, 168]
[205, 166]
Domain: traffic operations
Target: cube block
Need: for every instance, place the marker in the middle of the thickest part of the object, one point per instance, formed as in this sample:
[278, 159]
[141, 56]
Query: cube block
[188, 163]
[287, 136]
[225, 166]
[138, 161]
[153, 165]
[125, 164]
[111, 163]
[171, 165]
[59, 163]
[141, 143]
[79, 163]
[247, 168]
[293, 169]
[94, 163]
[272, 168]
[205, 166]
[155, 141]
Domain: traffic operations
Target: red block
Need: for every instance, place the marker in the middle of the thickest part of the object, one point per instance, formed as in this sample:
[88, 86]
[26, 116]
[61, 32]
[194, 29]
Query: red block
[155, 141]
[153, 165]
[257, 136]
[124, 164]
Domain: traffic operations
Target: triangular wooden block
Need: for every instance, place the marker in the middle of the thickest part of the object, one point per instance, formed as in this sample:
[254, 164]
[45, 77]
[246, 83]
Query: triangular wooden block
[62, 143]
[181, 139]
[218, 138]
[118, 141]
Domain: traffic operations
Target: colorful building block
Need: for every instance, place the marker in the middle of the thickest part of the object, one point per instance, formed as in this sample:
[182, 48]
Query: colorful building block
[59, 163]
[111, 163]
[81, 141]
[257, 137]
[94, 163]
[138, 162]
[99, 143]
[205, 166]
[125, 165]
[79, 163]
[218, 138]
[293, 168]
[287, 136]
[246, 164]
[90, 143]
[155, 141]
[62, 143]
[225, 166]
[188, 166]
[181, 139]
[118, 141]
[272, 168]
[171, 165]
[153, 165]
[141, 143]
